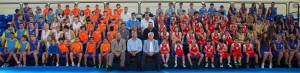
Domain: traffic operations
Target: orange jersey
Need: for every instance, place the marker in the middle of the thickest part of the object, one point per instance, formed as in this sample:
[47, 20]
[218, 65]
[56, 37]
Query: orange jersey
[97, 35]
[119, 11]
[105, 47]
[105, 18]
[115, 26]
[111, 35]
[76, 11]
[91, 46]
[67, 12]
[83, 36]
[108, 11]
[87, 12]
[76, 47]
[89, 27]
[63, 47]
[97, 11]
[116, 17]
[102, 27]
[94, 18]
[45, 11]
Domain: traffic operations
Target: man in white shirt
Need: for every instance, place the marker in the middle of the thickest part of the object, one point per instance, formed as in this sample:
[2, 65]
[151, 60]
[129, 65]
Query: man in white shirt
[125, 16]
[145, 21]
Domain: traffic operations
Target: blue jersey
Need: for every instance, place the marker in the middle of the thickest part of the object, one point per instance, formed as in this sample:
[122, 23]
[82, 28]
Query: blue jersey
[260, 17]
[33, 45]
[53, 49]
[18, 24]
[32, 32]
[293, 45]
[170, 11]
[40, 25]
[273, 11]
[212, 10]
[252, 11]
[279, 45]
[24, 46]
[202, 11]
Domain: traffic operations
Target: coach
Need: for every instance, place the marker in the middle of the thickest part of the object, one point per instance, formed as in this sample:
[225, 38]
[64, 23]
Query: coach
[118, 47]
[150, 49]
[134, 48]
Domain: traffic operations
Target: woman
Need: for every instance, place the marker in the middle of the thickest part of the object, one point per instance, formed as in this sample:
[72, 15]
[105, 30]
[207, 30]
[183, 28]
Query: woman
[232, 11]
[243, 9]
[292, 31]
[139, 33]
[265, 50]
[56, 33]
[45, 32]
[253, 9]
[61, 16]
[82, 17]
[292, 48]
[54, 23]
[269, 16]
[76, 25]
[263, 8]
[279, 50]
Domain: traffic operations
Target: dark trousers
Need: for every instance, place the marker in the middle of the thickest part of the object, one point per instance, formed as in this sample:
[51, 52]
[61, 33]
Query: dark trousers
[129, 56]
[156, 57]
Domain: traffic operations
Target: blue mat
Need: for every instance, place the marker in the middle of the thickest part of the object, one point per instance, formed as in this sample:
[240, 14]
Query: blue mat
[62, 69]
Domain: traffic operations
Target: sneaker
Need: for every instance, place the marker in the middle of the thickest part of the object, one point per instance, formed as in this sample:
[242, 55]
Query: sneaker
[236, 64]
[175, 65]
[212, 65]
[78, 65]
[240, 64]
[289, 65]
[73, 64]
[4, 65]
[229, 65]
[270, 66]
[262, 65]
[166, 65]
[221, 65]
[57, 64]
[99, 66]
[67, 64]
[36, 64]
[206, 65]
[183, 65]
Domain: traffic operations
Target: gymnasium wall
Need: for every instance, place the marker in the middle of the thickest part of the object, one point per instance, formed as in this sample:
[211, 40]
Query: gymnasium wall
[133, 7]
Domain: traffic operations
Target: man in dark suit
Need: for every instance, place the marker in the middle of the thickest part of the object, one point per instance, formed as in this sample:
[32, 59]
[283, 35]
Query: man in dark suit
[150, 29]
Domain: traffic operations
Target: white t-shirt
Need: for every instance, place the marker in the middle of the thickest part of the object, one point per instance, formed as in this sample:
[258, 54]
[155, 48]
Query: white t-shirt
[76, 26]
[144, 23]
[45, 34]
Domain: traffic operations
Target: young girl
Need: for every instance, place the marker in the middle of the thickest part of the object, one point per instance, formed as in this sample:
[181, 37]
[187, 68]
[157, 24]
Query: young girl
[190, 37]
[236, 52]
[76, 25]
[89, 27]
[202, 38]
[292, 47]
[209, 53]
[164, 52]
[176, 36]
[179, 52]
[104, 52]
[249, 50]
[215, 36]
[233, 27]
[228, 39]
[186, 27]
[97, 35]
[222, 50]
[162, 26]
[210, 27]
[279, 50]
[265, 50]
[194, 51]
[196, 26]
[90, 51]
[101, 25]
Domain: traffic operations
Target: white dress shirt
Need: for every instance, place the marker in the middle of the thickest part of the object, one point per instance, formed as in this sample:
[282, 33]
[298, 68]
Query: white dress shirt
[144, 23]
[125, 17]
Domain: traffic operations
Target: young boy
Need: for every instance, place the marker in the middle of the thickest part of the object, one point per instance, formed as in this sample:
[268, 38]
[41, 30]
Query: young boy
[34, 47]
[53, 51]
[63, 51]
[10, 47]
[209, 53]
[194, 51]
[179, 52]
[248, 49]
[236, 52]
[104, 52]
[22, 48]
[76, 51]
[222, 49]
[164, 52]
[90, 51]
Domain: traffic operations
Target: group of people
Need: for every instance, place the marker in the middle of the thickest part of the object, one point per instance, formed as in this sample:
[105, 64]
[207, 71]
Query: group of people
[205, 34]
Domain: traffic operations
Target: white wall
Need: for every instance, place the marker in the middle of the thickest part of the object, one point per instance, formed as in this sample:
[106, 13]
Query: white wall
[133, 7]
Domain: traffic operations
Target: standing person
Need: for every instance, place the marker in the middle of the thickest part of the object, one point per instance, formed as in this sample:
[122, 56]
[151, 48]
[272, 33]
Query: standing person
[151, 49]
[125, 16]
[212, 9]
[191, 10]
[170, 10]
[179, 10]
[273, 9]
[134, 48]
[118, 47]
[159, 10]
[203, 10]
